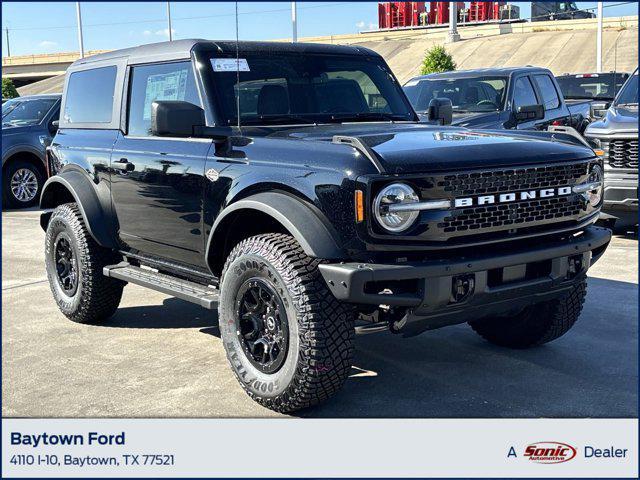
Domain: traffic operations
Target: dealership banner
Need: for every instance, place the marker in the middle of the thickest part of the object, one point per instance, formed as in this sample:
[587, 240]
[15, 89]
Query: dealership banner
[261, 448]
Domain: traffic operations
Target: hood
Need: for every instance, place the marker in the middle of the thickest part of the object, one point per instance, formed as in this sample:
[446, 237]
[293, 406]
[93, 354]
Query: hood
[13, 130]
[415, 148]
[617, 120]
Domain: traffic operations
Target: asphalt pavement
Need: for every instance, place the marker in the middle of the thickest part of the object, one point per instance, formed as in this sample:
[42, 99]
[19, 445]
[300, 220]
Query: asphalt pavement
[162, 357]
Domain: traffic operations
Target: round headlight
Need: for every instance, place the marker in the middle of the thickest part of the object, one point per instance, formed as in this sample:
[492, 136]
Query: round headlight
[596, 176]
[391, 195]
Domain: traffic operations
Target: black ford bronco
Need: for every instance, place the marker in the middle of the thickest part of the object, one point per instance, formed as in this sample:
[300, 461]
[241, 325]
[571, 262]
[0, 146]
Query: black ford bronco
[292, 187]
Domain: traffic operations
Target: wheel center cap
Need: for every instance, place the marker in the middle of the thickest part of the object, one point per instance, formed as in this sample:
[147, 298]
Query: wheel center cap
[271, 323]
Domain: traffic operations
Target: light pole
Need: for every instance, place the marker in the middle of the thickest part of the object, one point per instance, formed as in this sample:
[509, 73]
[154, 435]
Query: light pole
[169, 21]
[599, 40]
[454, 36]
[6, 30]
[294, 22]
[79, 15]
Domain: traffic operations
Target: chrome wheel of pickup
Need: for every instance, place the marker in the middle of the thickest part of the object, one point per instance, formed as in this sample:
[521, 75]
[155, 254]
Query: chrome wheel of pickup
[24, 185]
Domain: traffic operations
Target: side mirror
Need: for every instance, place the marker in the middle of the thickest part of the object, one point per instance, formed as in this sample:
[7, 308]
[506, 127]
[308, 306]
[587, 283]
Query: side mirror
[175, 118]
[53, 127]
[529, 112]
[441, 111]
[598, 109]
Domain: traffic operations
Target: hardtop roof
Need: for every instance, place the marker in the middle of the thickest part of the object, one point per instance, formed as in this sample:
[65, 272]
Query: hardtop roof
[181, 49]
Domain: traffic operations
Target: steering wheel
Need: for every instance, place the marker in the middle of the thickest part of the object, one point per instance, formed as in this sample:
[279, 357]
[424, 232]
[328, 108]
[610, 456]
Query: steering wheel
[488, 102]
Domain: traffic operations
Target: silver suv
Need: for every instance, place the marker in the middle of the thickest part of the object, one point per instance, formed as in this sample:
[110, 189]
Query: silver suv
[615, 138]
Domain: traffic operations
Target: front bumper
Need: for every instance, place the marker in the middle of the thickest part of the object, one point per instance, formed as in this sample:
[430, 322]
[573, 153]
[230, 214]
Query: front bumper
[620, 190]
[500, 283]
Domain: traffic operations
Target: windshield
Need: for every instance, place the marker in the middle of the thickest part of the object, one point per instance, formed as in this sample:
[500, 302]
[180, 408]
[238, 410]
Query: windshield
[629, 93]
[480, 94]
[291, 88]
[597, 85]
[9, 105]
[27, 112]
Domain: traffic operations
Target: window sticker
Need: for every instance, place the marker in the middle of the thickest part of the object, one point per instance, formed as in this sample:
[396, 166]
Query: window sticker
[164, 86]
[229, 65]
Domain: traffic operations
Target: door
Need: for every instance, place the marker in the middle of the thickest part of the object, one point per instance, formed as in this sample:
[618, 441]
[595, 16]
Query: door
[555, 111]
[157, 183]
[524, 94]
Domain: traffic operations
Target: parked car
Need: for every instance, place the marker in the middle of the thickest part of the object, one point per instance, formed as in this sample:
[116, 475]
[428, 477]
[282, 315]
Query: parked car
[615, 137]
[314, 207]
[28, 125]
[499, 98]
[591, 86]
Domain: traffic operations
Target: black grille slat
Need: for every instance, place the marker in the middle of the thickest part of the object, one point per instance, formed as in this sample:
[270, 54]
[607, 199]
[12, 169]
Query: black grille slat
[513, 179]
[622, 153]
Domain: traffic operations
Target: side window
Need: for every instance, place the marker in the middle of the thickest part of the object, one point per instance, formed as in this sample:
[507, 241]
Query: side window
[89, 97]
[523, 93]
[548, 90]
[166, 81]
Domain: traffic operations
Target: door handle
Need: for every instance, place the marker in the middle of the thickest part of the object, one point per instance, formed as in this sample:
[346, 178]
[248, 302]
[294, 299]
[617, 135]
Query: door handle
[124, 165]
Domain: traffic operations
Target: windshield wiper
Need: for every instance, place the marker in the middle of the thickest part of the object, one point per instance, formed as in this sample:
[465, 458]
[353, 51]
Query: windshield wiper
[368, 116]
[276, 120]
[629, 104]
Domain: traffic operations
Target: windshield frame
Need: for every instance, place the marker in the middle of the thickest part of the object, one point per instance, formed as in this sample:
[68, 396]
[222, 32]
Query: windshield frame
[213, 95]
[503, 101]
[25, 101]
[624, 89]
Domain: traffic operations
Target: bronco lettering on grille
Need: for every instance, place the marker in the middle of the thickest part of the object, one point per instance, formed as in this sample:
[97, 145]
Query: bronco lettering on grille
[511, 197]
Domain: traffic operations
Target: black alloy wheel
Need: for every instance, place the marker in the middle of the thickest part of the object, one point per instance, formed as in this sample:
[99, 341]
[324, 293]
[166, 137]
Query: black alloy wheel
[263, 329]
[66, 264]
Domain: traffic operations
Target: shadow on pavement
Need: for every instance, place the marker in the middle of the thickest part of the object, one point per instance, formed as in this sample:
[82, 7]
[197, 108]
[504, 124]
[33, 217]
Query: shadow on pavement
[452, 372]
[173, 313]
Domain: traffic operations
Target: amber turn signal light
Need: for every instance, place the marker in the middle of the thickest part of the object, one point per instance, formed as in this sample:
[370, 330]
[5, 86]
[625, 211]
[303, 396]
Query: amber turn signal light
[599, 152]
[359, 201]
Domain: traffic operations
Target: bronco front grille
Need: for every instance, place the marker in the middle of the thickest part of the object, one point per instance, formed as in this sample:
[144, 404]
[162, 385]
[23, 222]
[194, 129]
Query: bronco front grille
[621, 153]
[514, 214]
[528, 211]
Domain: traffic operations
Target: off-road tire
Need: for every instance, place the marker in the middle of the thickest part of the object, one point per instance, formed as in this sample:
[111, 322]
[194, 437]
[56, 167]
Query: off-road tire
[9, 200]
[538, 324]
[320, 329]
[97, 297]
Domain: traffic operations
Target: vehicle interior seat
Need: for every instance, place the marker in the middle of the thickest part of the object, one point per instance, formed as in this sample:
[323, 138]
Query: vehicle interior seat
[273, 100]
[340, 95]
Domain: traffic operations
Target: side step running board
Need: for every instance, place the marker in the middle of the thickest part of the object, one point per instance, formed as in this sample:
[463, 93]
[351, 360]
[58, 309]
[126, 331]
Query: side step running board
[204, 296]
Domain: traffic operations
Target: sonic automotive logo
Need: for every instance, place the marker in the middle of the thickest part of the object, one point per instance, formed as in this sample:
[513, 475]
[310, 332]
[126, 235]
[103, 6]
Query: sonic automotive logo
[549, 452]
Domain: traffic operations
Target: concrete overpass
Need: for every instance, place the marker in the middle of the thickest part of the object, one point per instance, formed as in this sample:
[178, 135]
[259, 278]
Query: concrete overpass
[25, 69]
[562, 46]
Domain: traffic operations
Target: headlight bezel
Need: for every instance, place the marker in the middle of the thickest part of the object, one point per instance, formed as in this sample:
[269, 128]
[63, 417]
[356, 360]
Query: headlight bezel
[409, 218]
[596, 175]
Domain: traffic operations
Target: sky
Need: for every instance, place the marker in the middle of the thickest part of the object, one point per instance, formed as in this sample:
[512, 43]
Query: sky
[49, 27]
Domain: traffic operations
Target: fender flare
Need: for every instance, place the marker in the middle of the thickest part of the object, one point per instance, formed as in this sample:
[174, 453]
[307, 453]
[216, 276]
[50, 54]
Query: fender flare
[22, 148]
[96, 218]
[303, 220]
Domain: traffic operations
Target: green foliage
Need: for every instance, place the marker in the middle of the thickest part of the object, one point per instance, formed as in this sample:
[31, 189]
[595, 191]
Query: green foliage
[9, 89]
[437, 60]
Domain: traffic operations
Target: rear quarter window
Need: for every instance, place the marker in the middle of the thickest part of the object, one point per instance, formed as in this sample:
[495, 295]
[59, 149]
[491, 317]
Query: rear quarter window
[548, 91]
[89, 96]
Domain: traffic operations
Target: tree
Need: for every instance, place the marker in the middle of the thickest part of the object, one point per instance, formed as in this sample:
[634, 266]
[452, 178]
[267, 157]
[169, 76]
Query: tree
[9, 89]
[437, 60]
